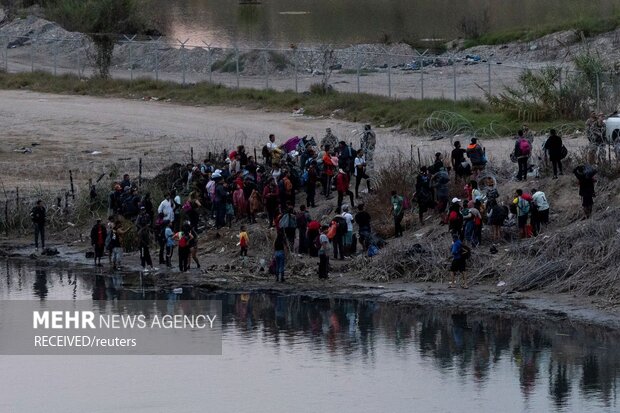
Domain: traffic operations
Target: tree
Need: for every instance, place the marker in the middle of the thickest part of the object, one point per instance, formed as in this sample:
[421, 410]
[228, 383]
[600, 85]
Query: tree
[101, 20]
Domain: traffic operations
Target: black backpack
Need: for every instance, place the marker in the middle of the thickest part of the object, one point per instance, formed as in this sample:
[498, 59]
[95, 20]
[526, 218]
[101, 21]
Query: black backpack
[342, 225]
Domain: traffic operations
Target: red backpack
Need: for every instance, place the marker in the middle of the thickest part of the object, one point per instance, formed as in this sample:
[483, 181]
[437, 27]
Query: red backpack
[524, 147]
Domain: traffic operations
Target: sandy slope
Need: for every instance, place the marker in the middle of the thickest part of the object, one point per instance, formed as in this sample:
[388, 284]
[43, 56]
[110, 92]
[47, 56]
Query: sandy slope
[70, 128]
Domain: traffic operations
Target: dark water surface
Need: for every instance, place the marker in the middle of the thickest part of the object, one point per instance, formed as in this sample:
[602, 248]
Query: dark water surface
[353, 21]
[301, 354]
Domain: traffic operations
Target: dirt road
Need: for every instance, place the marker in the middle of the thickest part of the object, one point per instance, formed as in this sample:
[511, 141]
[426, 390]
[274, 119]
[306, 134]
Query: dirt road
[94, 135]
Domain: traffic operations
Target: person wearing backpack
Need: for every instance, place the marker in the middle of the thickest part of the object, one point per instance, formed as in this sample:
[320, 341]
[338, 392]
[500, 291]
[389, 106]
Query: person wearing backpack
[288, 223]
[184, 239]
[540, 210]
[340, 226]
[523, 150]
[342, 186]
[323, 245]
[523, 210]
[314, 230]
[460, 253]
[398, 212]
[554, 148]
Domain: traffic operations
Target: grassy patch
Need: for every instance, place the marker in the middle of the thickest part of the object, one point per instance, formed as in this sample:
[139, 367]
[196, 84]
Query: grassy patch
[589, 26]
[408, 113]
[363, 72]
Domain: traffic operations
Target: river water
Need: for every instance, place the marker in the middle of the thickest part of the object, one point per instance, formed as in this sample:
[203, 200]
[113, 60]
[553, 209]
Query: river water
[301, 354]
[353, 21]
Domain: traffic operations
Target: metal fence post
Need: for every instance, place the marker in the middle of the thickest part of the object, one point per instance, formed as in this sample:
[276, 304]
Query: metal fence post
[32, 46]
[78, 64]
[358, 63]
[489, 76]
[183, 58]
[156, 41]
[422, 72]
[454, 75]
[55, 53]
[266, 67]
[130, 40]
[237, 65]
[209, 64]
[295, 57]
[6, 54]
[389, 73]
[598, 93]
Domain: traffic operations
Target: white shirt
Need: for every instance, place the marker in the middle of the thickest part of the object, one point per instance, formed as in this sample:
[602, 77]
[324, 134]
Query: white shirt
[359, 161]
[272, 145]
[166, 208]
[349, 218]
[540, 200]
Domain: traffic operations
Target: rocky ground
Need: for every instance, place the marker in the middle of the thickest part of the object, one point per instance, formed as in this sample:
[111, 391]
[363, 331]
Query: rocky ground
[37, 43]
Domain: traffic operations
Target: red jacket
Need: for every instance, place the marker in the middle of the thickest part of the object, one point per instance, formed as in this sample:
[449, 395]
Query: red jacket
[342, 182]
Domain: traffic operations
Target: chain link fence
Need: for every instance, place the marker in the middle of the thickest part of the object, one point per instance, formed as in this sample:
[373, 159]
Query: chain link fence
[392, 70]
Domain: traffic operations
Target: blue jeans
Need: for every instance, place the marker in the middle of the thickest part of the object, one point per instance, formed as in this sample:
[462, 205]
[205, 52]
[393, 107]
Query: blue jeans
[280, 261]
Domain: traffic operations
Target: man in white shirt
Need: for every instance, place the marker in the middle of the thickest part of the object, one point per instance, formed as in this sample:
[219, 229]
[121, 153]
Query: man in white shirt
[540, 210]
[269, 148]
[348, 238]
[165, 207]
[360, 172]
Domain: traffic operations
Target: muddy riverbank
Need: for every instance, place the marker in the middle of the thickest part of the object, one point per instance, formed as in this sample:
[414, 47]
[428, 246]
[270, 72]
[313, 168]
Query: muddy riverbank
[482, 298]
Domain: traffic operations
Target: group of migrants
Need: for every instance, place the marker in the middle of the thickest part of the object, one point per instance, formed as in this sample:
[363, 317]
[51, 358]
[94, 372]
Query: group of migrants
[479, 201]
[237, 188]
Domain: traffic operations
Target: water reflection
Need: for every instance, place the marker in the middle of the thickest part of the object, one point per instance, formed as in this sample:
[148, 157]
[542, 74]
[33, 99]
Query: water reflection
[546, 357]
[572, 368]
[349, 21]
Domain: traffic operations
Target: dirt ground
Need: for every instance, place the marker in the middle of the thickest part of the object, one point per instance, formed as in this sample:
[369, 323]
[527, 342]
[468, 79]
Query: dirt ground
[91, 135]
[68, 129]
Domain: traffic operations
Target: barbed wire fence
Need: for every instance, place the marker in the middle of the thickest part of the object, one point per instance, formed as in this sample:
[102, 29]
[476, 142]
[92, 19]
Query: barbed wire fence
[391, 70]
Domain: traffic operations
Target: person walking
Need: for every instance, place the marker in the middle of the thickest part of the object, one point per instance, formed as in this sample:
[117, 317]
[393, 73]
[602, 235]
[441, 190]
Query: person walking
[522, 151]
[38, 216]
[271, 194]
[540, 210]
[303, 218]
[360, 172]
[362, 219]
[398, 212]
[587, 193]
[348, 236]
[342, 186]
[279, 254]
[98, 235]
[553, 146]
[368, 141]
[311, 181]
[184, 238]
[476, 154]
[323, 253]
[523, 211]
[458, 265]
[116, 245]
[328, 172]
[169, 237]
[144, 234]
[244, 242]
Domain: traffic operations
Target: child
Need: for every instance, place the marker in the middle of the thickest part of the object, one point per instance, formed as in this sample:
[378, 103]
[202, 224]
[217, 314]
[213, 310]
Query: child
[244, 242]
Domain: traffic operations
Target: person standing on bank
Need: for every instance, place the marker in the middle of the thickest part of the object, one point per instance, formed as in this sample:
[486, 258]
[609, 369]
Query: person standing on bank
[98, 235]
[324, 253]
[398, 212]
[553, 146]
[38, 220]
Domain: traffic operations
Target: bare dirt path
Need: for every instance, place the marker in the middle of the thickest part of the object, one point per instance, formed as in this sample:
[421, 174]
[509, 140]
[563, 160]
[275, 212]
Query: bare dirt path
[69, 129]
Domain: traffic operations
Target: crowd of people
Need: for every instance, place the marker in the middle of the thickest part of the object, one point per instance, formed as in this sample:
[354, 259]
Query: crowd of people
[237, 188]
